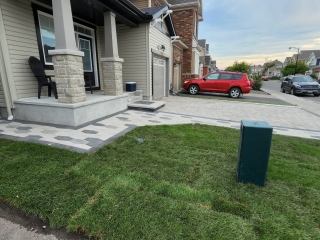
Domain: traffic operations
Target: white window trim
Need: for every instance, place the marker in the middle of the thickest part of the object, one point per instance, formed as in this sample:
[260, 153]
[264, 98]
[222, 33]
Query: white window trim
[50, 16]
[94, 47]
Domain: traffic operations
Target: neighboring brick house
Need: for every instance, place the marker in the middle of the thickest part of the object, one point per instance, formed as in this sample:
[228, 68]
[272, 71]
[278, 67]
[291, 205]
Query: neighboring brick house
[186, 51]
[258, 69]
[206, 63]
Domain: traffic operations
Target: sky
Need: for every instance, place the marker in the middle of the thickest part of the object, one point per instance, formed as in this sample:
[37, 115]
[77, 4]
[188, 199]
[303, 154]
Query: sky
[257, 31]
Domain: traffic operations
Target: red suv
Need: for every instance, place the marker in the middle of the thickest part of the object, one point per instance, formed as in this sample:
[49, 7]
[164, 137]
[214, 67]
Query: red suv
[232, 83]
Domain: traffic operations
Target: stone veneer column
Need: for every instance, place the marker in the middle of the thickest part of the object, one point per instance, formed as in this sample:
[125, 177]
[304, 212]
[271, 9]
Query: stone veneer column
[66, 57]
[68, 68]
[112, 76]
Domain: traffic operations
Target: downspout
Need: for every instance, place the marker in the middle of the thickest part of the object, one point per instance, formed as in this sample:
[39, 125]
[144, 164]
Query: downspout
[5, 85]
[4, 80]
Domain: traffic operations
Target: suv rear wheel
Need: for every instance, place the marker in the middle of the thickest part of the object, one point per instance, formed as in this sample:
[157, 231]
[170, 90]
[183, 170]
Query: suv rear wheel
[193, 89]
[234, 92]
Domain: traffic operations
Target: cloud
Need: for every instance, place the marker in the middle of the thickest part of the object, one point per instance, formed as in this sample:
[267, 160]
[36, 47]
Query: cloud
[252, 30]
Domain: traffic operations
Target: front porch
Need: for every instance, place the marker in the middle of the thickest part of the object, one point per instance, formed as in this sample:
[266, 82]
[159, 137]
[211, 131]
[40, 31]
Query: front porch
[47, 110]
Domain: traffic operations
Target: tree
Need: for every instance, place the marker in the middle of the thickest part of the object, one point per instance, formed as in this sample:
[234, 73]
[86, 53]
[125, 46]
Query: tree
[266, 66]
[243, 67]
[289, 69]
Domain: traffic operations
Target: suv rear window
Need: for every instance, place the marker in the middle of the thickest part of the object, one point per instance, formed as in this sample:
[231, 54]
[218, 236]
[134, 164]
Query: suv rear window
[237, 76]
[226, 76]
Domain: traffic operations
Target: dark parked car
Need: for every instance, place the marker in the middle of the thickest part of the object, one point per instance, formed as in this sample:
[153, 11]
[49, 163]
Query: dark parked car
[301, 84]
[232, 83]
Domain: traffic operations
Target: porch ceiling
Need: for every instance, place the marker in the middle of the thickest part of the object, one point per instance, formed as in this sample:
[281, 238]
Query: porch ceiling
[92, 11]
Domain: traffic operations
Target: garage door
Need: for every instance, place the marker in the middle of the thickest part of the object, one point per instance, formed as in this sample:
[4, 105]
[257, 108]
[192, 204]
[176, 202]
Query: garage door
[159, 77]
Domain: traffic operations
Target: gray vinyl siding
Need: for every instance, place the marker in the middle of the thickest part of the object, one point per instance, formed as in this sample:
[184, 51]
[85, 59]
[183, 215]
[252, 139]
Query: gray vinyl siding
[132, 45]
[100, 52]
[22, 43]
[158, 38]
[2, 99]
[140, 3]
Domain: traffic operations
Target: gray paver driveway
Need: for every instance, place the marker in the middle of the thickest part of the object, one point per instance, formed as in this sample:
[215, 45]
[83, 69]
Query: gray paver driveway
[283, 116]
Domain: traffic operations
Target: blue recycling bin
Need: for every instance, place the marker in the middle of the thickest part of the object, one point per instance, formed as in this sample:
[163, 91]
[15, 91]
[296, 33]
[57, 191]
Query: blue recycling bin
[131, 86]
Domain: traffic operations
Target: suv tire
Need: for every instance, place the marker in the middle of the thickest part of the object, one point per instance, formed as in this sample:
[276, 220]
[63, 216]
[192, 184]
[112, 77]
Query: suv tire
[234, 92]
[193, 89]
[316, 94]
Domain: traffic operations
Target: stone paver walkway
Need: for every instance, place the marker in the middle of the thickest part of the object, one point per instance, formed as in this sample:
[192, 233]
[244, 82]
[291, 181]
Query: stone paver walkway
[286, 120]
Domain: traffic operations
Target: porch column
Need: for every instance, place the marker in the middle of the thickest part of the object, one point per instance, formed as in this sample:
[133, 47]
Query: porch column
[66, 57]
[112, 64]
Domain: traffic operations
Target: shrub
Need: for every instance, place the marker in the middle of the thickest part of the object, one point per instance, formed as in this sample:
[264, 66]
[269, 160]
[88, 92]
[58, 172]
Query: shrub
[257, 82]
[313, 76]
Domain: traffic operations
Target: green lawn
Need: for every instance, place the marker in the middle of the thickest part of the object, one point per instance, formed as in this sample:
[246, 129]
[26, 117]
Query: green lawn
[178, 184]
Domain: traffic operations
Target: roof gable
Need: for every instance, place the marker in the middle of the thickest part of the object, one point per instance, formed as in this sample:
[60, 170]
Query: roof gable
[157, 12]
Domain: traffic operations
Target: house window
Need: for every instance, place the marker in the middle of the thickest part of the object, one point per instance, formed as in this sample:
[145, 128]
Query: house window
[48, 39]
[47, 36]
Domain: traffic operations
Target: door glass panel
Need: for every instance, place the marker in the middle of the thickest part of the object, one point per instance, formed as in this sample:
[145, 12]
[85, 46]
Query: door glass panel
[47, 36]
[86, 48]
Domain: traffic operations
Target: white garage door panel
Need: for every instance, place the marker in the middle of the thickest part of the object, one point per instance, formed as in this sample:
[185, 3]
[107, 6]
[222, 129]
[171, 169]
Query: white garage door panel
[159, 79]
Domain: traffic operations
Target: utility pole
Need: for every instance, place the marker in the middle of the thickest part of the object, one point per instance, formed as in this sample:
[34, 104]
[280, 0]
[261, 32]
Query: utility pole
[298, 49]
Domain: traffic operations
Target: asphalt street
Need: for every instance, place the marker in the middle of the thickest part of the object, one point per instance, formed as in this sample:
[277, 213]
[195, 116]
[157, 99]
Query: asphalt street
[275, 86]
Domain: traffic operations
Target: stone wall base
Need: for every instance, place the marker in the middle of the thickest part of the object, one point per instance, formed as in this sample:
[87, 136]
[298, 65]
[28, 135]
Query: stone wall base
[112, 78]
[69, 78]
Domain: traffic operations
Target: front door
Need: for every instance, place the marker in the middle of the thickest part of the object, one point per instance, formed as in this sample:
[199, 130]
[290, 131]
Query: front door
[85, 45]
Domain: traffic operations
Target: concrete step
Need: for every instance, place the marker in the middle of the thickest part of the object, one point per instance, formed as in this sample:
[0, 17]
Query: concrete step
[145, 105]
[134, 98]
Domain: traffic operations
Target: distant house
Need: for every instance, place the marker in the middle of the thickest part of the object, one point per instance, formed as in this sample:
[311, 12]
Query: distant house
[308, 56]
[256, 69]
[316, 68]
[287, 60]
[206, 63]
[276, 69]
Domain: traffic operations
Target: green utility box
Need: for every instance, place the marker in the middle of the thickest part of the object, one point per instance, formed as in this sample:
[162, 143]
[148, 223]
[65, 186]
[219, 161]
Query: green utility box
[253, 152]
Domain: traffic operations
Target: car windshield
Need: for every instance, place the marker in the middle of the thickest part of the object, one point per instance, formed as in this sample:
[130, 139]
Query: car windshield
[302, 79]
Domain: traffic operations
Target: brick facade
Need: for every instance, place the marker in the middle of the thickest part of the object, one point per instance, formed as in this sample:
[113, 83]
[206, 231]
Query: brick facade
[184, 25]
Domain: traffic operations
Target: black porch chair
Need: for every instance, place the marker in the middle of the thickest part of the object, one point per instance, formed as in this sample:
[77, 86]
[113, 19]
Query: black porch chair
[43, 79]
[87, 81]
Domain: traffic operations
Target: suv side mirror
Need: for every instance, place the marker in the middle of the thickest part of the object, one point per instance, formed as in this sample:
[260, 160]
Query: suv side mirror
[204, 78]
